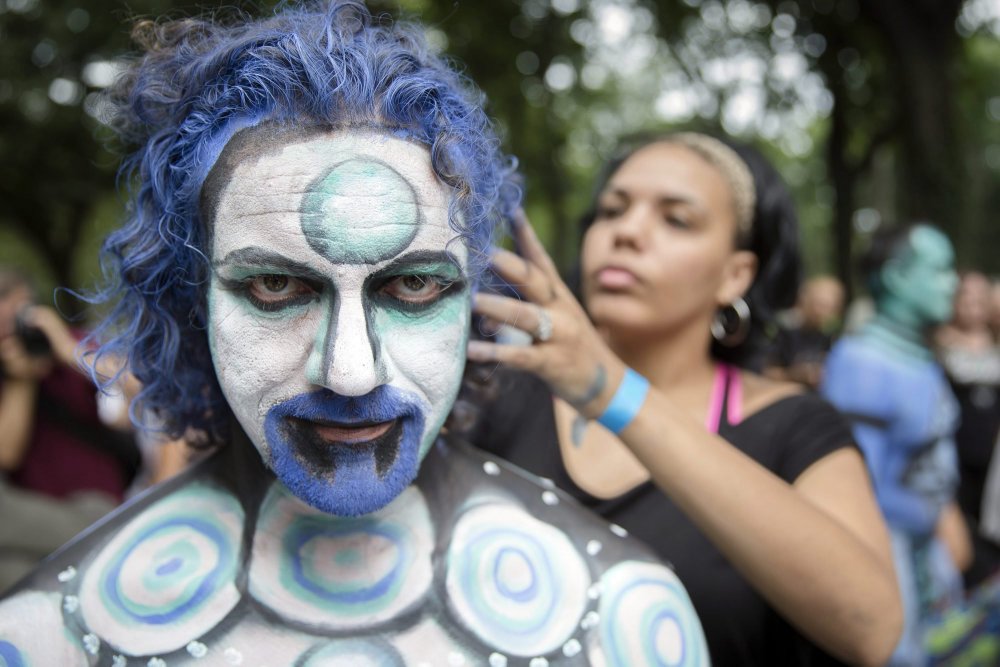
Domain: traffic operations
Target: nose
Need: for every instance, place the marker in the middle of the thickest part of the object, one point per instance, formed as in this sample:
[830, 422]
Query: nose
[345, 357]
[632, 227]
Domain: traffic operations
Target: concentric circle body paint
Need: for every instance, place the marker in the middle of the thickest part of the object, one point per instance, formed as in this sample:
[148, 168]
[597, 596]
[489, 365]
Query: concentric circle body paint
[515, 582]
[10, 655]
[32, 633]
[361, 211]
[353, 653]
[168, 576]
[337, 573]
[646, 618]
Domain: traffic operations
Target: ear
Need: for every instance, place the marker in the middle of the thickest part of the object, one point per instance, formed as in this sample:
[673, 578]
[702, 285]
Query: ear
[737, 276]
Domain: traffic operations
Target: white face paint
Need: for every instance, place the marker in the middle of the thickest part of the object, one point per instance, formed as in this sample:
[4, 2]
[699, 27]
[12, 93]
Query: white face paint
[339, 312]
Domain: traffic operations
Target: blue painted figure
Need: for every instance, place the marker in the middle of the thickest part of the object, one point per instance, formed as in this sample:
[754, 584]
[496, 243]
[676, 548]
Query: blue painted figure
[315, 199]
[886, 380]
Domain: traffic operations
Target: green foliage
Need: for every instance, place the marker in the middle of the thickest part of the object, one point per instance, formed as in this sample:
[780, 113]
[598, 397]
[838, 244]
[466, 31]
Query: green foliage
[564, 79]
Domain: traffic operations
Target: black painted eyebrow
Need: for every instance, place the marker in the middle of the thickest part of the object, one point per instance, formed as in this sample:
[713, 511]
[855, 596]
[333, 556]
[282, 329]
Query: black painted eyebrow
[268, 259]
[403, 262]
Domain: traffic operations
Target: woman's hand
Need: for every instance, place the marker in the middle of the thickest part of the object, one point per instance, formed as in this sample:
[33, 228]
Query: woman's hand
[566, 351]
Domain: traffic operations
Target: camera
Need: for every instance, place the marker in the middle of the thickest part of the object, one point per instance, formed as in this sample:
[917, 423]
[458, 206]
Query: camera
[34, 340]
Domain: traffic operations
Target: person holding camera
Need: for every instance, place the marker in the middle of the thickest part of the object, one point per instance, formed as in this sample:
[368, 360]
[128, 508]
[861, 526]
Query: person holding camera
[61, 466]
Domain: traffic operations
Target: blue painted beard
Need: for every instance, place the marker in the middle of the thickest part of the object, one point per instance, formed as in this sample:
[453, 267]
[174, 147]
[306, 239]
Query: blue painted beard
[346, 478]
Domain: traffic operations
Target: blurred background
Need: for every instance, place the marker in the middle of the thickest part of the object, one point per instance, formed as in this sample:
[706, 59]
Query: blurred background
[875, 111]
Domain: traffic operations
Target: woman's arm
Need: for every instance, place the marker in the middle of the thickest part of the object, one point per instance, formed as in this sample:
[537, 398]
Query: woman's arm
[816, 550]
[953, 531]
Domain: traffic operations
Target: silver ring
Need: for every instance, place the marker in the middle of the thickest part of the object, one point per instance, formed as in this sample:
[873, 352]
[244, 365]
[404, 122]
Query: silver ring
[543, 332]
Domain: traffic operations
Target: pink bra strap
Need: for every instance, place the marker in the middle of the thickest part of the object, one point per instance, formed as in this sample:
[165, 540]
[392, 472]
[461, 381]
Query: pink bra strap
[725, 375]
[734, 403]
[717, 399]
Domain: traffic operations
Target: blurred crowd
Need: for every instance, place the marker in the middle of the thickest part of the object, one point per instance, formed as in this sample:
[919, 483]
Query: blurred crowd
[955, 467]
[968, 350]
[69, 454]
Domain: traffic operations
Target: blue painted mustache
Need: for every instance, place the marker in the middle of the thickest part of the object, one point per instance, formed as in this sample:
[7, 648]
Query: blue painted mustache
[382, 404]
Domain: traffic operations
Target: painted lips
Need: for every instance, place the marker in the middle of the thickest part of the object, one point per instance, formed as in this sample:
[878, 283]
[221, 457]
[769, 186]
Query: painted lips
[353, 433]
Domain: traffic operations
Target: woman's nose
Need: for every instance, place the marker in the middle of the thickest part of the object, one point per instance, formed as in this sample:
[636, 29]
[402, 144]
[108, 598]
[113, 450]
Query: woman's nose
[632, 228]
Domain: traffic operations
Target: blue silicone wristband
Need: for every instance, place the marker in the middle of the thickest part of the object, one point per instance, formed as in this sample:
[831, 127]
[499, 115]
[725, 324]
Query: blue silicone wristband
[626, 402]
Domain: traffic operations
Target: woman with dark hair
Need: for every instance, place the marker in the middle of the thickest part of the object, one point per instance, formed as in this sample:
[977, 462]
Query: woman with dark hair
[752, 489]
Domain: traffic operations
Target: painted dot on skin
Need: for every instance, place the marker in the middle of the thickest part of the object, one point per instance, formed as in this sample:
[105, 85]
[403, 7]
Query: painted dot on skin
[590, 620]
[67, 574]
[233, 657]
[70, 604]
[550, 498]
[340, 208]
[491, 468]
[156, 662]
[197, 649]
[571, 648]
[594, 591]
[91, 644]
[538, 662]
[498, 660]
[594, 547]
[618, 530]
[118, 661]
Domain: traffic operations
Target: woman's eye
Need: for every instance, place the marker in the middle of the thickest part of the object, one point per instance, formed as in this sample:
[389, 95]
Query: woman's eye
[605, 212]
[273, 291]
[415, 289]
[677, 221]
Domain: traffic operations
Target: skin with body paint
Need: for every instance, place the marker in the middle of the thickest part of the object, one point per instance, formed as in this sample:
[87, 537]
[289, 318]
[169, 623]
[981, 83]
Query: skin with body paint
[921, 281]
[919, 288]
[338, 312]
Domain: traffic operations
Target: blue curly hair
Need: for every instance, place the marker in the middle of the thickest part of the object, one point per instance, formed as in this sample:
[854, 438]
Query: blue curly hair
[327, 64]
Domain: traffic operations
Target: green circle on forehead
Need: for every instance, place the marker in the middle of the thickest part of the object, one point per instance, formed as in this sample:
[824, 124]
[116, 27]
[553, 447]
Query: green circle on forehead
[359, 212]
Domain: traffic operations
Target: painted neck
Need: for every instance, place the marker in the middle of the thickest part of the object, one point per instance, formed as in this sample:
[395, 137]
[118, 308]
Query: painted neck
[902, 317]
[910, 341]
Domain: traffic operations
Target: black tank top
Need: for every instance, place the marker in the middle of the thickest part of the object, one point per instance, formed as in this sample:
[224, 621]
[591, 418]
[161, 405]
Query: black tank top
[785, 437]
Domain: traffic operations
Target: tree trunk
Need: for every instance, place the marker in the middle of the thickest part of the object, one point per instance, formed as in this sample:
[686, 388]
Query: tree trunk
[922, 42]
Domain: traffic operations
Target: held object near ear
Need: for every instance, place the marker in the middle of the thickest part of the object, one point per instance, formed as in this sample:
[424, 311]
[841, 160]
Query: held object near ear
[34, 340]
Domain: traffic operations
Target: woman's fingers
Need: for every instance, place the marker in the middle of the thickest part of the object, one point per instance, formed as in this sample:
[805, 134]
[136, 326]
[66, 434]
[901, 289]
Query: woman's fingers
[531, 247]
[522, 357]
[523, 315]
[529, 280]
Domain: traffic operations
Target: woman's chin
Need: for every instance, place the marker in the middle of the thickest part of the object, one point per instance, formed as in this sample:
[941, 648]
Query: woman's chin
[623, 321]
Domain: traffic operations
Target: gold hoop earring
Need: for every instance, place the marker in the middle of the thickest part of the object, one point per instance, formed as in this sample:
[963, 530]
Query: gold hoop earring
[731, 323]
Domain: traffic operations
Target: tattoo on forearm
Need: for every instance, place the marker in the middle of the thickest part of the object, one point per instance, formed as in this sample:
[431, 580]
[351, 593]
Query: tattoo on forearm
[595, 389]
[578, 430]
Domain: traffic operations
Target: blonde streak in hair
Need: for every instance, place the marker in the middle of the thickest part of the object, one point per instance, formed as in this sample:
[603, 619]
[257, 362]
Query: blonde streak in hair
[733, 169]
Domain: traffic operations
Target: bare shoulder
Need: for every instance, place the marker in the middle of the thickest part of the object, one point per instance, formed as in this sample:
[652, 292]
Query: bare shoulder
[759, 392]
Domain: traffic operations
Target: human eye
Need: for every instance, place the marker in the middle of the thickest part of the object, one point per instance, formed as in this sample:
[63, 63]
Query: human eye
[271, 292]
[678, 221]
[608, 211]
[417, 289]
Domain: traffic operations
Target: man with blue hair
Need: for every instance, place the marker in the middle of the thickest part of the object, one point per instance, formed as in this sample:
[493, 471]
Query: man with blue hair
[315, 199]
